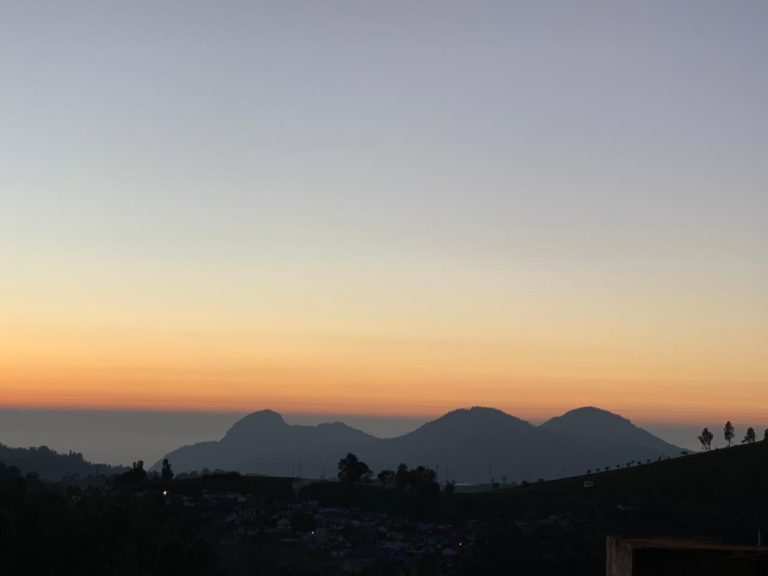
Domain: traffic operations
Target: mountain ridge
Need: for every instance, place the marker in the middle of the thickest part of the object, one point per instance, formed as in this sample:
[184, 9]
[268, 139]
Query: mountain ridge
[52, 465]
[475, 444]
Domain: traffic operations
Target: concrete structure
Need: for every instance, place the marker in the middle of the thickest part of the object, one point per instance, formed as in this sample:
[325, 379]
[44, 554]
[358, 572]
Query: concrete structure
[627, 556]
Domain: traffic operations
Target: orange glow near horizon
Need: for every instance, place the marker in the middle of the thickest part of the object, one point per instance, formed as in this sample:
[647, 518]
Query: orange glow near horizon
[384, 210]
[413, 383]
[412, 342]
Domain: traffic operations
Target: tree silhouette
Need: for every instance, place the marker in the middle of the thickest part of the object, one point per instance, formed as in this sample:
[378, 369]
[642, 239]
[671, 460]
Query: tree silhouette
[749, 438]
[167, 472]
[765, 435]
[136, 475]
[386, 478]
[423, 479]
[401, 477]
[353, 471]
[706, 439]
[729, 433]
[420, 480]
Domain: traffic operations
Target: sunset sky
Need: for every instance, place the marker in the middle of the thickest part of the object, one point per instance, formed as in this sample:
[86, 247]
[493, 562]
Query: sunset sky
[385, 208]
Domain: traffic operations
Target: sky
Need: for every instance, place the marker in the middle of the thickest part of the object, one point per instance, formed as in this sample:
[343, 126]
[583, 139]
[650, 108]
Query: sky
[385, 209]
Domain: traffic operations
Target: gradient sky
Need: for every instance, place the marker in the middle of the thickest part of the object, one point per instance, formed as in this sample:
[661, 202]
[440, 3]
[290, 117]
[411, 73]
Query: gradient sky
[385, 208]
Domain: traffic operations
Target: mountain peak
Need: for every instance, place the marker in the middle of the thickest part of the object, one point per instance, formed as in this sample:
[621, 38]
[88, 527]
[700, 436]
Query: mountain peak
[261, 422]
[588, 418]
[476, 414]
[591, 412]
[589, 422]
[475, 420]
[475, 411]
[265, 416]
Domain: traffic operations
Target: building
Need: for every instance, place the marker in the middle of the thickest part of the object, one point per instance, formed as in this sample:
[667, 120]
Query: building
[628, 556]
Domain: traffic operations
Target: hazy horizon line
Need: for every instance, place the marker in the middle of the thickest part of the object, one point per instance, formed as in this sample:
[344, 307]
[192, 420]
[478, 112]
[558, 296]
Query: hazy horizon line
[533, 416]
[126, 436]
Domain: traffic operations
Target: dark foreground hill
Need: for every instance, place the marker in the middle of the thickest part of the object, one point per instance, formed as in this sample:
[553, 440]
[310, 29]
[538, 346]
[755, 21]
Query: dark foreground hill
[721, 493]
[229, 524]
[50, 465]
[475, 445]
[560, 526]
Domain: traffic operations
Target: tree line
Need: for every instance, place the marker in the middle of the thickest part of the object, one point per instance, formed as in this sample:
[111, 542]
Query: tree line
[352, 470]
[729, 433]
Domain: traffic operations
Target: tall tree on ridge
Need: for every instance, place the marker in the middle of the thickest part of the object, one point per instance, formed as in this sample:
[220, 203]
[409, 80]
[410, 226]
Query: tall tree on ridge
[706, 439]
[729, 433]
[749, 438]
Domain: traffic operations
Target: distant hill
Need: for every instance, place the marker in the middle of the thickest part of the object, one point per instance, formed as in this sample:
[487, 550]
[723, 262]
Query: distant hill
[614, 436]
[466, 445]
[264, 443]
[50, 465]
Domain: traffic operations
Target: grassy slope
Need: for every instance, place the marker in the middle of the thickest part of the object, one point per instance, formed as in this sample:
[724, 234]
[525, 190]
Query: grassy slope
[723, 494]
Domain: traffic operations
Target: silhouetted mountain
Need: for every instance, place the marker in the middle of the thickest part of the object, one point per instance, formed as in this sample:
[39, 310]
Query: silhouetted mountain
[263, 443]
[607, 429]
[467, 445]
[606, 439]
[50, 465]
